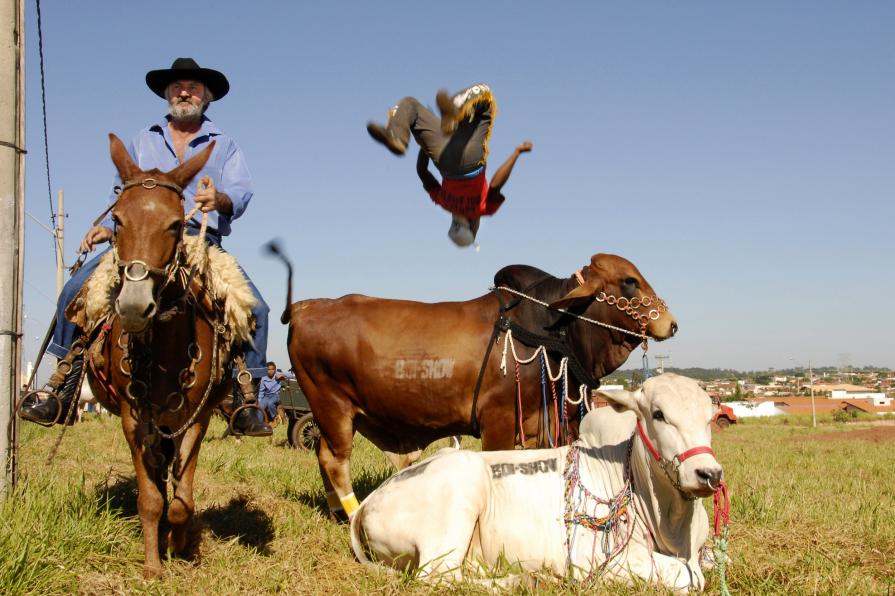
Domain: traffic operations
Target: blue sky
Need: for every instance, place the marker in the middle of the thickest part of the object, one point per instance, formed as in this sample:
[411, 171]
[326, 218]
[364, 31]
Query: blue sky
[741, 156]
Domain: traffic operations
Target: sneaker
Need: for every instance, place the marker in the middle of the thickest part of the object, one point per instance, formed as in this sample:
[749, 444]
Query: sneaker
[381, 134]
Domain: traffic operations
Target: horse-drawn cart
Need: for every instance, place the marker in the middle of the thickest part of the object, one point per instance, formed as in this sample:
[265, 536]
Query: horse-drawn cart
[303, 431]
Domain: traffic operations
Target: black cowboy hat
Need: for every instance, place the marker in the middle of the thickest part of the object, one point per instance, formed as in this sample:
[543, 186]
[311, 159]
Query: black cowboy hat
[187, 69]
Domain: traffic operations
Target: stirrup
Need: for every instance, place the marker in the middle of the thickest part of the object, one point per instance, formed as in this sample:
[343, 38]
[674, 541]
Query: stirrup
[47, 394]
[239, 410]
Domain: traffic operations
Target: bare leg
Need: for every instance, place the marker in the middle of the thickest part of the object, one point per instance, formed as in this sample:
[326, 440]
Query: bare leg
[150, 500]
[334, 470]
[182, 506]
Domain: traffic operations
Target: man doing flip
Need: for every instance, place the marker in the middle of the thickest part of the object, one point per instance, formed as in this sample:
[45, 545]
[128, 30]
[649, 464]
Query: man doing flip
[457, 144]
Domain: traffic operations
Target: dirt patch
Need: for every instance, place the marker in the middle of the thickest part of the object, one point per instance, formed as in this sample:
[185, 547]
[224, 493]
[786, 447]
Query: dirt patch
[874, 435]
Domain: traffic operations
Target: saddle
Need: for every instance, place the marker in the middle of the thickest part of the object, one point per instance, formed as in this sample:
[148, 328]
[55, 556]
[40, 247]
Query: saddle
[218, 286]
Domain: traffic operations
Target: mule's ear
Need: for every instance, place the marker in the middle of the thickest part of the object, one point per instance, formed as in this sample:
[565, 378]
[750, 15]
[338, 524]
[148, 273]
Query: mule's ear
[621, 400]
[587, 291]
[122, 159]
[182, 174]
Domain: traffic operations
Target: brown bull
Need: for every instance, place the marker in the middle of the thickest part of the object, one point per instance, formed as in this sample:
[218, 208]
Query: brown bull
[404, 373]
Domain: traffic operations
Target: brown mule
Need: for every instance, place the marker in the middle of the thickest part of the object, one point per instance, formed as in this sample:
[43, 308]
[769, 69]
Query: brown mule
[159, 361]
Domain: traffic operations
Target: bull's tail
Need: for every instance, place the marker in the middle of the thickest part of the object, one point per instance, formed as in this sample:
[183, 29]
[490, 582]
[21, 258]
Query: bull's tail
[273, 248]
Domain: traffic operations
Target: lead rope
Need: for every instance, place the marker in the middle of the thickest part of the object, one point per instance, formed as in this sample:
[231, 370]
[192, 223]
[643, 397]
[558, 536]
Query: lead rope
[722, 534]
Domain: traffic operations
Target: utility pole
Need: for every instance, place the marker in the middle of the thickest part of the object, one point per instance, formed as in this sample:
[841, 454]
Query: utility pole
[60, 244]
[811, 386]
[12, 228]
[661, 360]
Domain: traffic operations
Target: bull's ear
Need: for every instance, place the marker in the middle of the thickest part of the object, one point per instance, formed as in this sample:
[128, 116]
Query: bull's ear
[126, 167]
[621, 400]
[583, 292]
[182, 174]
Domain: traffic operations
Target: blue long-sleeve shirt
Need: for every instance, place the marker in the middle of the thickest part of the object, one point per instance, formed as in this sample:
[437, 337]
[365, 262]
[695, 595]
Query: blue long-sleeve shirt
[269, 386]
[153, 147]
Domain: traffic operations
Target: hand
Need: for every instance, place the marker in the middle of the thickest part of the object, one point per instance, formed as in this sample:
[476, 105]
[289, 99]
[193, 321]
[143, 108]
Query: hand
[95, 235]
[206, 195]
[525, 147]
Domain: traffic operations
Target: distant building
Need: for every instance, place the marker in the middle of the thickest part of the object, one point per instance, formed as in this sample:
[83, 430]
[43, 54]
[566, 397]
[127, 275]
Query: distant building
[747, 409]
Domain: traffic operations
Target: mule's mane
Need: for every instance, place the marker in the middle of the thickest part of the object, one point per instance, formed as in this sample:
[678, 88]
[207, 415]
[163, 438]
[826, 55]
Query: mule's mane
[221, 275]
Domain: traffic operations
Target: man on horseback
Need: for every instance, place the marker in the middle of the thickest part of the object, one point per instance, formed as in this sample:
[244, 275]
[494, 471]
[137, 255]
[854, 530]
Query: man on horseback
[458, 146]
[222, 189]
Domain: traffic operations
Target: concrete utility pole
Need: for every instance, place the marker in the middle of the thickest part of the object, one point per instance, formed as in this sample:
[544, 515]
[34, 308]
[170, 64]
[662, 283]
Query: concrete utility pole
[12, 228]
[60, 244]
[811, 385]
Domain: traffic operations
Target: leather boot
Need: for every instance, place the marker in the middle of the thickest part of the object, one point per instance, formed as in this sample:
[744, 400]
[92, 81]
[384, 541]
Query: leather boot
[250, 422]
[47, 411]
[382, 135]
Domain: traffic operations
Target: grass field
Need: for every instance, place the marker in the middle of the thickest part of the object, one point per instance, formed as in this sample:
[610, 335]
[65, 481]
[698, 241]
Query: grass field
[813, 512]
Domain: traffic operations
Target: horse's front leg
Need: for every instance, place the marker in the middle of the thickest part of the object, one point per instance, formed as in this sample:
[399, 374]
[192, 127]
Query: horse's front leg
[182, 506]
[150, 500]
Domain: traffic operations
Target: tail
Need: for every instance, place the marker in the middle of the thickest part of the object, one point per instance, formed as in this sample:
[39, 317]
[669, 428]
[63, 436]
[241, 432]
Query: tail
[273, 249]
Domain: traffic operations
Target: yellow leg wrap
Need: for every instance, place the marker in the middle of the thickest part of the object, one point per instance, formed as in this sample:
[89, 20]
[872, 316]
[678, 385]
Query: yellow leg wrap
[349, 503]
[332, 499]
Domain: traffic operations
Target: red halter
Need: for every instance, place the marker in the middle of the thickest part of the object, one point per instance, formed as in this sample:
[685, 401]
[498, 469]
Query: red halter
[680, 458]
[672, 467]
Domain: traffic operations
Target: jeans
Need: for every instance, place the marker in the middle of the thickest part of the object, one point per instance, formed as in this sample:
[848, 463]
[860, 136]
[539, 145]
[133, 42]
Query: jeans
[268, 402]
[454, 155]
[66, 331]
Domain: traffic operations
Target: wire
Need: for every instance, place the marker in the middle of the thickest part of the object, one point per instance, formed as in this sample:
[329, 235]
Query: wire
[43, 100]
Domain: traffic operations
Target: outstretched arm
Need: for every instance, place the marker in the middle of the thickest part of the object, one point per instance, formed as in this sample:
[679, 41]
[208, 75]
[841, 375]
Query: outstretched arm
[503, 172]
[422, 170]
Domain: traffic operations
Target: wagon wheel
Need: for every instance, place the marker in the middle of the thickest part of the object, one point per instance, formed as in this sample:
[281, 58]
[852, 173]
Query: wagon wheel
[305, 433]
[723, 422]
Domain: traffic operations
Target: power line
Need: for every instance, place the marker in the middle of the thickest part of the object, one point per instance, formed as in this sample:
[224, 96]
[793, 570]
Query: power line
[43, 100]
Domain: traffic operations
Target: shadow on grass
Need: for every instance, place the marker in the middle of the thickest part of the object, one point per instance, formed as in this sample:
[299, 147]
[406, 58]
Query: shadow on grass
[363, 485]
[240, 519]
[121, 495]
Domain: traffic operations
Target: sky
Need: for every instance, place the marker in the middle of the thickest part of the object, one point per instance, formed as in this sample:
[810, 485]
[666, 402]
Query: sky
[740, 155]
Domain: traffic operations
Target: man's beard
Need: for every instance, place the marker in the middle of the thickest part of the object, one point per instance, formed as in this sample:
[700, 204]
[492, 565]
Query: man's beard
[184, 111]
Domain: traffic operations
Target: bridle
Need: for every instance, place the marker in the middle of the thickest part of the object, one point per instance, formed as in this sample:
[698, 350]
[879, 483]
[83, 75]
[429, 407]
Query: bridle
[673, 464]
[136, 269]
[631, 307]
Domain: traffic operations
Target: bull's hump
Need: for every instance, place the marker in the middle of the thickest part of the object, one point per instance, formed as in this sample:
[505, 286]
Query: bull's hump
[519, 276]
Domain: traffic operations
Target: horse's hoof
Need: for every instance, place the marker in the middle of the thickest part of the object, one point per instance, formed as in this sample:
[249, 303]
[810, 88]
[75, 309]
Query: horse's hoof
[152, 571]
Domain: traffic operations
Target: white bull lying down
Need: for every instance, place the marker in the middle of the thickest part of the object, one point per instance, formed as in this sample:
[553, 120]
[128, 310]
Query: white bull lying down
[603, 506]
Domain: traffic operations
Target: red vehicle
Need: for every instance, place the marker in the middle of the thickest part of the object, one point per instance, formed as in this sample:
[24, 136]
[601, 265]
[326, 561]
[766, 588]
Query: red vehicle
[724, 417]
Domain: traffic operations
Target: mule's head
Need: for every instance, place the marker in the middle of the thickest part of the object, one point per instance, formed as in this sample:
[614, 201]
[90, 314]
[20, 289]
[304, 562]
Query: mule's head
[149, 225]
[614, 291]
[675, 416]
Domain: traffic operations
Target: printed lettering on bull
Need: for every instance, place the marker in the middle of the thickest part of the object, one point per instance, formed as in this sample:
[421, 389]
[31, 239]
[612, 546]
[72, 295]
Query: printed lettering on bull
[540, 466]
[424, 368]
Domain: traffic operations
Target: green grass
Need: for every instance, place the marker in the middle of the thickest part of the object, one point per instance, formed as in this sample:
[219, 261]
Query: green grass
[809, 516]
